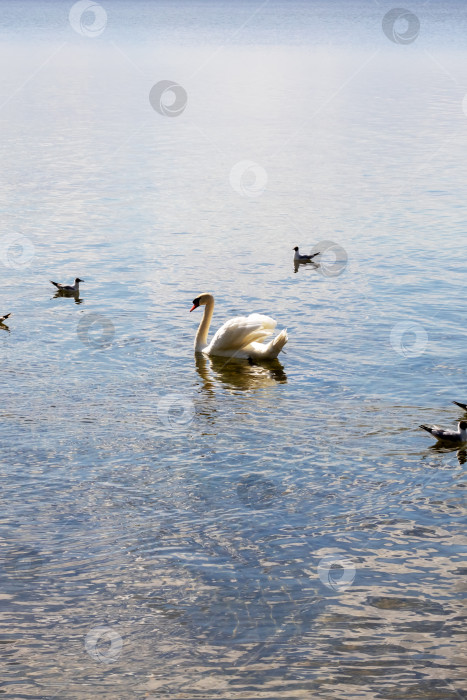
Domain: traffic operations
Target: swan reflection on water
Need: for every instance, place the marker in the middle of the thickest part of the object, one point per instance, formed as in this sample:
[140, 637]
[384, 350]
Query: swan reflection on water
[70, 295]
[238, 374]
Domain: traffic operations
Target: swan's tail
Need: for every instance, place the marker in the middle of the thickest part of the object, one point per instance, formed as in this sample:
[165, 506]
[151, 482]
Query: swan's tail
[275, 346]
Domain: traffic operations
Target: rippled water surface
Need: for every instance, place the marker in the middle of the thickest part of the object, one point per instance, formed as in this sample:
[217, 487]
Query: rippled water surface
[180, 527]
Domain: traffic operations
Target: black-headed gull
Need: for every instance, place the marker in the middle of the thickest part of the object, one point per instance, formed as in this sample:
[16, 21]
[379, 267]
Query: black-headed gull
[454, 437]
[68, 287]
[303, 258]
[462, 405]
[4, 318]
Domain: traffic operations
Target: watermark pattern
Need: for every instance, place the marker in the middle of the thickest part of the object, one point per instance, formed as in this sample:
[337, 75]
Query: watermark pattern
[248, 178]
[336, 572]
[16, 251]
[96, 331]
[332, 260]
[103, 644]
[159, 94]
[408, 339]
[256, 492]
[88, 18]
[401, 26]
[175, 410]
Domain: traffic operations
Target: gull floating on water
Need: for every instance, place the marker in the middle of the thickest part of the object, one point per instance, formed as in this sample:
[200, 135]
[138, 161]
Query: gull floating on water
[68, 287]
[462, 405]
[454, 437]
[4, 318]
[303, 258]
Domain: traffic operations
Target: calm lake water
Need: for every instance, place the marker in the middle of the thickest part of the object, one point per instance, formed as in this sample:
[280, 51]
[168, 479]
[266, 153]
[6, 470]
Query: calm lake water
[179, 527]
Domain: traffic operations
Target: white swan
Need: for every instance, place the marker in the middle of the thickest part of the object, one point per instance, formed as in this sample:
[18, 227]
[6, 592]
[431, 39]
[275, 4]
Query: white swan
[67, 287]
[240, 337]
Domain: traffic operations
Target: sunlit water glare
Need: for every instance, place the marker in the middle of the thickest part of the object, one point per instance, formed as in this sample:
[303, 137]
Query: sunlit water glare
[182, 527]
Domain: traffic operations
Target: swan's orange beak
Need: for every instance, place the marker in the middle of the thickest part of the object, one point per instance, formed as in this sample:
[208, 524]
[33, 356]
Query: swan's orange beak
[193, 308]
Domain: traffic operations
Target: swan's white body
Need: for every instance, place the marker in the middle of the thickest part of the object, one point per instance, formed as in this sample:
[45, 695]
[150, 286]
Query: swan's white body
[240, 337]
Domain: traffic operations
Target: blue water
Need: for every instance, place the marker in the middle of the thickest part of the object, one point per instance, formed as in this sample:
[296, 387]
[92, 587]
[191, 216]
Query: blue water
[181, 527]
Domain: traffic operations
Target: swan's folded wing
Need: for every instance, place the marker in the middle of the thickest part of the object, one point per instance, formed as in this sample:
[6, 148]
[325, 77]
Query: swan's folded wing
[241, 331]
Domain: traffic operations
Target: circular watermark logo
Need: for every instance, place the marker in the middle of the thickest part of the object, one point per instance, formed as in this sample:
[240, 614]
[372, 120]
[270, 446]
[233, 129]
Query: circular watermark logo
[332, 259]
[175, 410]
[88, 18]
[401, 26]
[16, 251]
[256, 492]
[408, 339]
[336, 571]
[103, 644]
[168, 98]
[248, 178]
[96, 331]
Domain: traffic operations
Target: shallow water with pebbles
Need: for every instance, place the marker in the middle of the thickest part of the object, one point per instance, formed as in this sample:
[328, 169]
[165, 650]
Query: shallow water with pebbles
[185, 527]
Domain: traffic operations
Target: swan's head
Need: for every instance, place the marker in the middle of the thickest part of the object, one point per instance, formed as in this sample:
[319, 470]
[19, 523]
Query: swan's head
[296, 249]
[202, 300]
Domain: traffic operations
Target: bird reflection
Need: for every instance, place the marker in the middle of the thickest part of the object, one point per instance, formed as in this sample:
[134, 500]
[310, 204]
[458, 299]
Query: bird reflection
[4, 327]
[71, 295]
[309, 263]
[461, 453]
[238, 374]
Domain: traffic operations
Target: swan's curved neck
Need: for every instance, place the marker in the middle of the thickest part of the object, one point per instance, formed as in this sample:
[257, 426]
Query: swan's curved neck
[201, 339]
